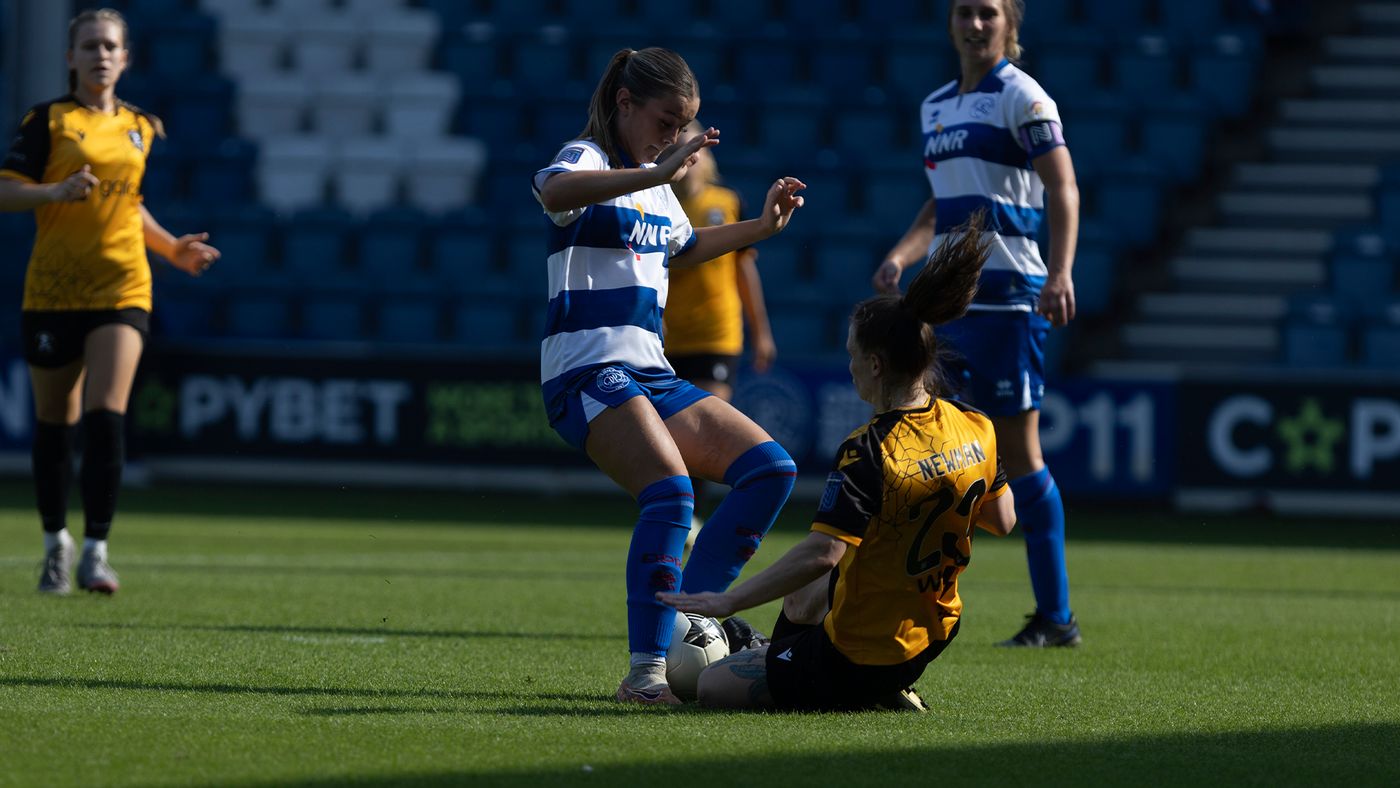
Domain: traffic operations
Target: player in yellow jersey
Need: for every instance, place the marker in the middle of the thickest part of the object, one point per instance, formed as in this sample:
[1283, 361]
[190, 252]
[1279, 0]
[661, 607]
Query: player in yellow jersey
[710, 304]
[871, 595]
[77, 163]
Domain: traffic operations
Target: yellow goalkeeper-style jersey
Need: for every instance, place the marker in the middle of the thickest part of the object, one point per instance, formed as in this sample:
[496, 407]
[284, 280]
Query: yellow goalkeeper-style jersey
[904, 494]
[88, 255]
[703, 312]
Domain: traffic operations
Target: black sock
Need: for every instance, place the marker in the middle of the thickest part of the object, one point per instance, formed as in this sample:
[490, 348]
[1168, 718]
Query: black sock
[53, 473]
[104, 452]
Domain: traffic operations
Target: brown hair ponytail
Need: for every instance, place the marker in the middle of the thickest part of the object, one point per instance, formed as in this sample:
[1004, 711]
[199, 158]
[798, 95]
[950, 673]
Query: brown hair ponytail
[899, 329]
[647, 74]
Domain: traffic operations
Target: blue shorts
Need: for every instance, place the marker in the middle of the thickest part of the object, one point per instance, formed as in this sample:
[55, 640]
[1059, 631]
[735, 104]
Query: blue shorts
[999, 363]
[591, 391]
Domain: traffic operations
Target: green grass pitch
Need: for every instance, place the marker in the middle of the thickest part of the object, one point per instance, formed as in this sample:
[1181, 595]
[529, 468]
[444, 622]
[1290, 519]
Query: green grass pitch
[286, 637]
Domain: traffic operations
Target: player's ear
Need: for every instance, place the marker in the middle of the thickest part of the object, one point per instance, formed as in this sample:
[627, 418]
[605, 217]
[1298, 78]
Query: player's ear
[625, 104]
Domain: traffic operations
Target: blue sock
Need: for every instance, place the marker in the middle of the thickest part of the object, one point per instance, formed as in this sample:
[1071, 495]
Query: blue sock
[654, 562]
[761, 479]
[1041, 515]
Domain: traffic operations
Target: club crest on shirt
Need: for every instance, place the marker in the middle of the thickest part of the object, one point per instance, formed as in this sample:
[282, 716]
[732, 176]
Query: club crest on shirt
[983, 107]
[714, 218]
[612, 379]
[135, 137]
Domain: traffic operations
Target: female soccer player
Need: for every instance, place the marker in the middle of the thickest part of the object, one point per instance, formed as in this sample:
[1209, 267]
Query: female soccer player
[616, 229]
[709, 305]
[893, 529]
[77, 163]
[992, 141]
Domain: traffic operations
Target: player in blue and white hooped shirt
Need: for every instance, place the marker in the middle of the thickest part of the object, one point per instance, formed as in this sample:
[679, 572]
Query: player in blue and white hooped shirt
[608, 389]
[992, 140]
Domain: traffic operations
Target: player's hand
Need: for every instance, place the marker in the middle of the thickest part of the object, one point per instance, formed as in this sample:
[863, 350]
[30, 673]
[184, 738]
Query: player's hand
[764, 352]
[672, 163]
[886, 278]
[706, 603]
[1057, 301]
[192, 255]
[76, 187]
[782, 200]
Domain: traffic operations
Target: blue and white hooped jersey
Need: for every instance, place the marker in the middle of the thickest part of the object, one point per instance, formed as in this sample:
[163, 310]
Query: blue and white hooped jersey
[978, 148]
[608, 275]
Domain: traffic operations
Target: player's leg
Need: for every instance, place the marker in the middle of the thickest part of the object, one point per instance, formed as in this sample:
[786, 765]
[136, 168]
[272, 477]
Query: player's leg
[714, 374]
[718, 442]
[57, 405]
[112, 352]
[630, 444]
[1040, 512]
[739, 681]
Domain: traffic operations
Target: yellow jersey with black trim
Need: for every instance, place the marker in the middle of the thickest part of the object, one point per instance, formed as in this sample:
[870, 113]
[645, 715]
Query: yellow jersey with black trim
[703, 312]
[904, 494]
[88, 255]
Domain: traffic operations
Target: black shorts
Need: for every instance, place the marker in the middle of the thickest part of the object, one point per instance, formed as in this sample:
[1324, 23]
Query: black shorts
[705, 366]
[56, 338]
[807, 673]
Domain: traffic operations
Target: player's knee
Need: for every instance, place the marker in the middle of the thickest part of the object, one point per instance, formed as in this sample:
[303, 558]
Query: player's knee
[671, 500]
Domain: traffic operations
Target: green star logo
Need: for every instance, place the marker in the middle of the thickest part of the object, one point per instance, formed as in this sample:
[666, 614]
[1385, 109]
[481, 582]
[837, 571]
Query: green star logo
[1311, 438]
[154, 410]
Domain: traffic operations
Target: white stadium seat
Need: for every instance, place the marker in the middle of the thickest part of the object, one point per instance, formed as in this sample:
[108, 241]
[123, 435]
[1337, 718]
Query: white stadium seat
[292, 172]
[366, 173]
[442, 173]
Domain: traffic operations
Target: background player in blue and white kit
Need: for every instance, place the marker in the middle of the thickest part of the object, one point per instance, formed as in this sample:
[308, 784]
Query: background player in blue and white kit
[992, 141]
[616, 229]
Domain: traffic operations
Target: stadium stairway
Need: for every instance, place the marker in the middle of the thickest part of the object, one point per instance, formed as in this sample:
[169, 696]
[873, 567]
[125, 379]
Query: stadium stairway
[1237, 287]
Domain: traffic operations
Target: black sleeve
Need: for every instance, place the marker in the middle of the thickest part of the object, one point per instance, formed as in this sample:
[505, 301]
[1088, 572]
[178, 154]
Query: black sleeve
[29, 153]
[999, 481]
[853, 493]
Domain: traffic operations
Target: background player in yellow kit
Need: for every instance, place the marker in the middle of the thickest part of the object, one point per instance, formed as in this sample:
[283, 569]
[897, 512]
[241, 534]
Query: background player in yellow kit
[711, 304]
[893, 529]
[77, 163]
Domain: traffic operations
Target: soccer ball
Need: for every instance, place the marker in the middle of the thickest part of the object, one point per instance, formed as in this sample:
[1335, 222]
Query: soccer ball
[696, 643]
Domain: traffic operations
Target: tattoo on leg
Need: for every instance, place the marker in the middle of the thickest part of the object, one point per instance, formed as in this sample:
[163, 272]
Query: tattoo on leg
[750, 666]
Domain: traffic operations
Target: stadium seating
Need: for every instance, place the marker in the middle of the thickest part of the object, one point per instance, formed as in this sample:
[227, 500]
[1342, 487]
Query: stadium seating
[1315, 332]
[385, 143]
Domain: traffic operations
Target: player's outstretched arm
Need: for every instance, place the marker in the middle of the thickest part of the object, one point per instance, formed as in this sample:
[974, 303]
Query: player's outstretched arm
[189, 253]
[808, 560]
[711, 242]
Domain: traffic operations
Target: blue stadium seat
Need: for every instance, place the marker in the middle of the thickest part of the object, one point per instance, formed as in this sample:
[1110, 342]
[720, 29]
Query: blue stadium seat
[1316, 332]
[1145, 68]
[259, 316]
[844, 264]
[740, 14]
[314, 248]
[893, 195]
[553, 123]
[454, 13]
[802, 329]
[224, 174]
[202, 111]
[1129, 196]
[1096, 131]
[782, 261]
[1388, 204]
[328, 317]
[791, 127]
[496, 120]
[1068, 63]
[1380, 347]
[409, 320]
[474, 57]
[914, 69]
[843, 65]
[541, 64]
[184, 313]
[1173, 131]
[391, 252]
[1222, 71]
[1366, 281]
[901, 14]
[489, 324]
[1047, 15]
[1184, 19]
[765, 62]
[1115, 16]
[1095, 278]
[178, 44]
[515, 14]
[870, 128]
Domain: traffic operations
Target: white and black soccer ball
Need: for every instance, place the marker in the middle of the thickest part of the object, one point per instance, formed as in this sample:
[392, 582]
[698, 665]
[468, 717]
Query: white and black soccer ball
[696, 643]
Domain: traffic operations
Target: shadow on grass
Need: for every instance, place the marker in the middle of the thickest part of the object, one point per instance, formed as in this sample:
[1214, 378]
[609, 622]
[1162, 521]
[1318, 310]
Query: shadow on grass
[254, 689]
[1351, 754]
[360, 632]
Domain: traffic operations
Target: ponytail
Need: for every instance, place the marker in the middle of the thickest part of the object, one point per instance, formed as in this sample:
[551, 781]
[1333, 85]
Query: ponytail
[647, 74]
[899, 329]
